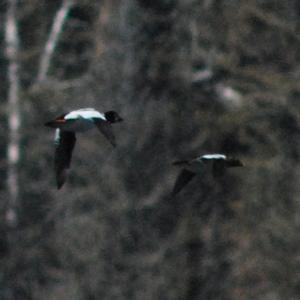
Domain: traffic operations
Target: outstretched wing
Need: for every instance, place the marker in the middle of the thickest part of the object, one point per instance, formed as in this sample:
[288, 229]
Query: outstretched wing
[65, 142]
[218, 167]
[106, 130]
[184, 177]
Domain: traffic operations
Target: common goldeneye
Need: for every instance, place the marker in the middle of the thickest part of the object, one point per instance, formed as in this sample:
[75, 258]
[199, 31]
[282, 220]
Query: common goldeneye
[220, 163]
[67, 125]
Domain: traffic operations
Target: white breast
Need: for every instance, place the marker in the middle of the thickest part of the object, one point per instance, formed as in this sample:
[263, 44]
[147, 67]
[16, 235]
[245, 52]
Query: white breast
[79, 125]
[213, 156]
[85, 113]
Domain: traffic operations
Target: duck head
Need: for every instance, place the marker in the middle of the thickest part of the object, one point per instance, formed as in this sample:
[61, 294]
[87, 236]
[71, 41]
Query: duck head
[112, 117]
[235, 163]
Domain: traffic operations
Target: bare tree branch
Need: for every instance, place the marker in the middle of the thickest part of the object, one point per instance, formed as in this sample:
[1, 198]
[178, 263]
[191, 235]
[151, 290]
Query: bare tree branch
[56, 30]
[13, 150]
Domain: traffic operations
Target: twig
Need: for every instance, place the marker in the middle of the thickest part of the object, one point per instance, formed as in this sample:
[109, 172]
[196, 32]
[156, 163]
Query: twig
[57, 27]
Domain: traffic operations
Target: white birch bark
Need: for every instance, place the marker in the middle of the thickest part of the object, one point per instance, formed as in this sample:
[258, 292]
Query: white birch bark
[57, 28]
[13, 149]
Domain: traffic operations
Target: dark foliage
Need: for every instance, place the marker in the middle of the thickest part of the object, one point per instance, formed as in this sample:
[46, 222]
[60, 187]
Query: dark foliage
[188, 78]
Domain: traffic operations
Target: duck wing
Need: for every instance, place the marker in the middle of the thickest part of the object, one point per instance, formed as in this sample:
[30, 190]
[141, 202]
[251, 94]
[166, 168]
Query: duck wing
[65, 142]
[184, 177]
[106, 129]
[218, 167]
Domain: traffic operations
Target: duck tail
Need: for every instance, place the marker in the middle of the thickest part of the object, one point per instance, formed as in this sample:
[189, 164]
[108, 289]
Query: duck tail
[180, 162]
[56, 123]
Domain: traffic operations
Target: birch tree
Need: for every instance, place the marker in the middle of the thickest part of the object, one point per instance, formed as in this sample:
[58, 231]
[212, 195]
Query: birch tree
[12, 41]
[51, 43]
[13, 148]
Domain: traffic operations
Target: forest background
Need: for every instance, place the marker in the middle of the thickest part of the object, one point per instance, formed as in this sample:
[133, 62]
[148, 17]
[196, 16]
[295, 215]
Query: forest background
[189, 77]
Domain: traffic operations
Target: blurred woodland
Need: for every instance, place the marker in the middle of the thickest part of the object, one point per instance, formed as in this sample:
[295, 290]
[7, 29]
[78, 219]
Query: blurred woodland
[189, 77]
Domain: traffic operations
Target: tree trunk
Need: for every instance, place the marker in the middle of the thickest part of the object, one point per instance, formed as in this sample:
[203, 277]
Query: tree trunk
[13, 149]
[57, 27]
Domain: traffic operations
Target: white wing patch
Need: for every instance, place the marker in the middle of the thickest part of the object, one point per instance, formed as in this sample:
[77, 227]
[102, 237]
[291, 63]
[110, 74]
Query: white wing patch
[213, 156]
[57, 136]
[85, 113]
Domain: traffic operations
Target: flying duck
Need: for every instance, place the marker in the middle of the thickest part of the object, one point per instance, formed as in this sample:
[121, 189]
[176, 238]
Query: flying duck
[220, 163]
[67, 125]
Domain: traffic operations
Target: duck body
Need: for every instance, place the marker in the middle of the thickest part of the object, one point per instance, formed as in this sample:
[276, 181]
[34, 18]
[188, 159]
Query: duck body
[80, 120]
[77, 125]
[67, 125]
[220, 162]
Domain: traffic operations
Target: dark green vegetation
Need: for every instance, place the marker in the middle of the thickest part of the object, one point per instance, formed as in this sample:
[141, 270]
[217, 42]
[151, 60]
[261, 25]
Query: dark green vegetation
[113, 232]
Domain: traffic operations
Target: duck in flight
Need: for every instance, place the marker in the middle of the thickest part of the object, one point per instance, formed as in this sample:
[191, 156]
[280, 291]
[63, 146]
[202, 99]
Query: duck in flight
[70, 123]
[220, 163]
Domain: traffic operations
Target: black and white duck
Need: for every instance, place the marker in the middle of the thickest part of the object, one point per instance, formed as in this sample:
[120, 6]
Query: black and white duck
[68, 124]
[220, 162]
